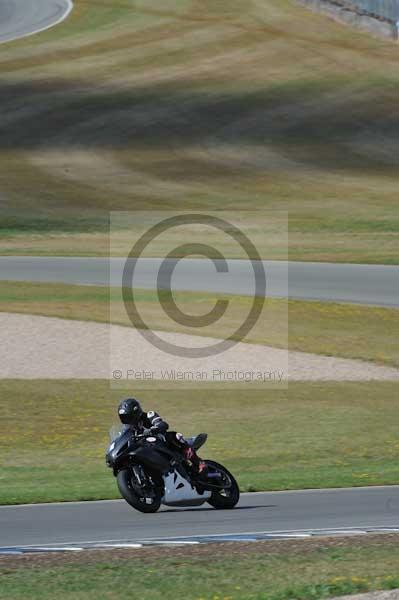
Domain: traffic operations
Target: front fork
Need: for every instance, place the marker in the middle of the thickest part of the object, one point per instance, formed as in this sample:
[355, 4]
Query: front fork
[139, 474]
[148, 485]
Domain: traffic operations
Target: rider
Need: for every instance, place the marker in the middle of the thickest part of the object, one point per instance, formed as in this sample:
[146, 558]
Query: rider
[150, 423]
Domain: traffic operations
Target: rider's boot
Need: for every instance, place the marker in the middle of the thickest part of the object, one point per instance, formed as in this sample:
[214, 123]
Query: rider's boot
[199, 467]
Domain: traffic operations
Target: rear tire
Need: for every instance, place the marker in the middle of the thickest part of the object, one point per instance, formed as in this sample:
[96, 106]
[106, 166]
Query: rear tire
[228, 498]
[125, 487]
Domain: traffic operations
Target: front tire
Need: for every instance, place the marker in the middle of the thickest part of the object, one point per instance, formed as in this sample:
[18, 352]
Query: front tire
[124, 481]
[227, 498]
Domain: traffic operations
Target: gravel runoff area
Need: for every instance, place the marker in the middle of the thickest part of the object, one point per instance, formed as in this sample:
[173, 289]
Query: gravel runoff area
[35, 347]
[380, 595]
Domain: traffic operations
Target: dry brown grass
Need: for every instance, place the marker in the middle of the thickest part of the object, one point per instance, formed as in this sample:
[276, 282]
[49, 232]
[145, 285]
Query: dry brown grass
[205, 104]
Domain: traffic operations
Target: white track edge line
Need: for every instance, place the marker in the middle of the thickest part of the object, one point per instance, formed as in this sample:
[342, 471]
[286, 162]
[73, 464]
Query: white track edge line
[120, 500]
[63, 17]
[361, 529]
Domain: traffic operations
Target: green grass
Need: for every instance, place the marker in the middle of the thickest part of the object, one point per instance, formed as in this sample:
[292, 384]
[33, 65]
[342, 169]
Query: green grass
[349, 331]
[211, 105]
[54, 434]
[304, 570]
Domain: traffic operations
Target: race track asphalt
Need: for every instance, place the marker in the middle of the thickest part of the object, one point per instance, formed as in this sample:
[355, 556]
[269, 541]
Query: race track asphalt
[112, 521]
[363, 284]
[19, 18]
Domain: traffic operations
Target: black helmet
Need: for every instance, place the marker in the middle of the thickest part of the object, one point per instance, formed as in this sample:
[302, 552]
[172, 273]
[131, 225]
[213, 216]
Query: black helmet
[130, 411]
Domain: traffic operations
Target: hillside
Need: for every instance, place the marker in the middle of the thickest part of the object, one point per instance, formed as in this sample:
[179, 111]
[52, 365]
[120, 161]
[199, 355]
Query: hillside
[206, 105]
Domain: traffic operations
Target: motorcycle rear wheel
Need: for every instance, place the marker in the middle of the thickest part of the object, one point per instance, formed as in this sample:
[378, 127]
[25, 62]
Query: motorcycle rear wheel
[227, 498]
[124, 481]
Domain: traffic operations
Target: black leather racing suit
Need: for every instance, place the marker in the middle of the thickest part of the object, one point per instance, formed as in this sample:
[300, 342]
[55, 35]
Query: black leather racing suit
[153, 422]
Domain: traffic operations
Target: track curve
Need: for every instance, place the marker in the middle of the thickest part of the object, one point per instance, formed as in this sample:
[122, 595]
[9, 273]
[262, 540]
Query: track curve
[21, 18]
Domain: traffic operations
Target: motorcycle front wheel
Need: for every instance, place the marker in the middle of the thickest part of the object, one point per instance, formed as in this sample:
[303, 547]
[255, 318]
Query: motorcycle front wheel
[228, 497]
[140, 503]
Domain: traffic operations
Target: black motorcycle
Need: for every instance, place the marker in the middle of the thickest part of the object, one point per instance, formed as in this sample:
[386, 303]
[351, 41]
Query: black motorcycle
[150, 472]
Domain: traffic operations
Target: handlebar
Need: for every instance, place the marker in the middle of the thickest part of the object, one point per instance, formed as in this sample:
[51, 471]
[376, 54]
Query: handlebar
[141, 436]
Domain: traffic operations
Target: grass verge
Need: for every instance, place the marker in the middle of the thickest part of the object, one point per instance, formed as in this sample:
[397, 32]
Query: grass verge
[304, 570]
[200, 106]
[309, 436]
[344, 330]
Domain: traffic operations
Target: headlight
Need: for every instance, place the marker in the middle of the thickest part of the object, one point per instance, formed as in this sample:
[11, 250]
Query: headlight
[112, 446]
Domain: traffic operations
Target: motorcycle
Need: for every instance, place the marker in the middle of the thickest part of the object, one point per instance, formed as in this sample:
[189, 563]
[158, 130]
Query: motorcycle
[149, 473]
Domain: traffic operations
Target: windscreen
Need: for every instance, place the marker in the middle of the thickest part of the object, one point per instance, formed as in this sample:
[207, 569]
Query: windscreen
[115, 431]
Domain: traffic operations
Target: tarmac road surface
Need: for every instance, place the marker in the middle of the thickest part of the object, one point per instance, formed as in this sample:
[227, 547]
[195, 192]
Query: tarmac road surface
[114, 520]
[19, 18]
[363, 284]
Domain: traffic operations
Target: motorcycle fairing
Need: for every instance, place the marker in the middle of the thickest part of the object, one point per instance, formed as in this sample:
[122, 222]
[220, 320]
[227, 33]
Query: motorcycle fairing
[179, 492]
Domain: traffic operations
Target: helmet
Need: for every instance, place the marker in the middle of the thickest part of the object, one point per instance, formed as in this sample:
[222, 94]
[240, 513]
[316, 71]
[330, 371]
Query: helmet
[130, 411]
